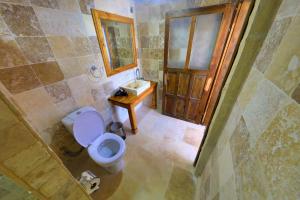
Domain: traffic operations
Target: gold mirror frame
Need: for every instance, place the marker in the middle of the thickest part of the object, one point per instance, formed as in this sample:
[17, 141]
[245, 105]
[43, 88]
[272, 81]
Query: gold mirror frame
[101, 15]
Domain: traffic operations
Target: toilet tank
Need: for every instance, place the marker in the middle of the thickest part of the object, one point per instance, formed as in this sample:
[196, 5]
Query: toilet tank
[68, 120]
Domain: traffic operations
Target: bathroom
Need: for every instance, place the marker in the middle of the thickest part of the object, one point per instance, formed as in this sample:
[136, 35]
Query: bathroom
[51, 64]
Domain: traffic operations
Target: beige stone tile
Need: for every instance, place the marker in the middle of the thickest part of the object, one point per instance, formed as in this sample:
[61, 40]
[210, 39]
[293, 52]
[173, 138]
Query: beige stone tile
[98, 62]
[14, 139]
[143, 29]
[95, 45]
[215, 176]
[22, 2]
[81, 46]
[145, 167]
[40, 111]
[193, 136]
[68, 191]
[150, 74]
[249, 88]
[267, 100]
[45, 3]
[284, 70]
[42, 173]
[296, 94]
[7, 117]
[144, 42]
[27, 103]
[28, 26]
[163, 128]
[140, 140]
[59, 91]
[10, 53]
[81, 90]
[225, 163]
[240, 143]
[100, 101]
[69, 5]
[67, 106]
[278, 148]
[228, 191]
[3, 28]
[251, 181]
[180, 153]
[153, 29]
[206, 182]
[36, 49]
[75, 66]
[10, 190]
[55, 182]
[271, 43]
[288, 8]
[86, 5]
[48, 72]
[228, 130]
[63, 141]
[62, 46]
[199, 193]
[181, 185]
[89, 25]
[19, 79]
[27, 160]
[56, 22]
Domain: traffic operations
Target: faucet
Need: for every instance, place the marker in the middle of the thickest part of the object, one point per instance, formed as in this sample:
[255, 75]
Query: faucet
[138, 74]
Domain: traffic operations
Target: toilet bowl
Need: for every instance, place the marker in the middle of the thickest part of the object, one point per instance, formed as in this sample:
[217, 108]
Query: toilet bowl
[88, 129]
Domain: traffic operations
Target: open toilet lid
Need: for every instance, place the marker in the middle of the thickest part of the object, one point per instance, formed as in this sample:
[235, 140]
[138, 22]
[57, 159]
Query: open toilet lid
[87, 127]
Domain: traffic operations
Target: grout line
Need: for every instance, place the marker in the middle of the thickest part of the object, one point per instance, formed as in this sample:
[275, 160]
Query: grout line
[54, 60]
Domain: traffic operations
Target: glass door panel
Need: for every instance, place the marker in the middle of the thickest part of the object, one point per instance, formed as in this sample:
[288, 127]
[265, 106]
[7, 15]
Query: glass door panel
[204, 41]
[178, 41]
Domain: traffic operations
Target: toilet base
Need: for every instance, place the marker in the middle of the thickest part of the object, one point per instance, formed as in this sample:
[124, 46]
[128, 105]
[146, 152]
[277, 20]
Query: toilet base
[113, 169]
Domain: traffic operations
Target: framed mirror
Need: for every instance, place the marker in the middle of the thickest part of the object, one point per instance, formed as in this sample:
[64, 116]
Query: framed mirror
[116, 37]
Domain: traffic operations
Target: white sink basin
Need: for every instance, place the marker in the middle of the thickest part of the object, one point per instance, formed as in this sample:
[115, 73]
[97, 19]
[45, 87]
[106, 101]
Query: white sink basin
[136, 87]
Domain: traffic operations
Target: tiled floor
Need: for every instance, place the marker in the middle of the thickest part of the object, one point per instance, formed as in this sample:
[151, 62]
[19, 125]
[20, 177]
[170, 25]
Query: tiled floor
[158, 161]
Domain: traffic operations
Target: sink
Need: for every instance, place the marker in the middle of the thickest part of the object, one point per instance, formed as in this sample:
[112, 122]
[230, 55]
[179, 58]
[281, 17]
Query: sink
[136, 87]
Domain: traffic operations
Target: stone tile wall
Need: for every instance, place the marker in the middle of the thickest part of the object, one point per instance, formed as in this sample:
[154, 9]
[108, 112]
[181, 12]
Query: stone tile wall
[10, 190]
[46, 50]
[257, 155]
[27, 161]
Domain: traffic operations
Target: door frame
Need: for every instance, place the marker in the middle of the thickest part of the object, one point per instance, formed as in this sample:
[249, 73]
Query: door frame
[240, 21]
[228, 11]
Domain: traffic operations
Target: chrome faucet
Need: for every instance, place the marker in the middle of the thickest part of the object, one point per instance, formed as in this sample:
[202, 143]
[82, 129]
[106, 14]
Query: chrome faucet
[138, 74]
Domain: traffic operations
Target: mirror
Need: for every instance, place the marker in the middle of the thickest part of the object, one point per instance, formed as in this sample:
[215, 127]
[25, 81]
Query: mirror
[116, 38]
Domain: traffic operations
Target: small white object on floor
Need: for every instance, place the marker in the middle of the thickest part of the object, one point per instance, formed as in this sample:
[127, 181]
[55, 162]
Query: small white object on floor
[89, 181]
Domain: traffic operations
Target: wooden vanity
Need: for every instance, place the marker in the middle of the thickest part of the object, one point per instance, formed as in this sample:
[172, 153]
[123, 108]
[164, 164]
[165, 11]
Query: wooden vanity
[129, 102]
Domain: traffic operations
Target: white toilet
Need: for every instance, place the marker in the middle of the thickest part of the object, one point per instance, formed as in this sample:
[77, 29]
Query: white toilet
[88, 128]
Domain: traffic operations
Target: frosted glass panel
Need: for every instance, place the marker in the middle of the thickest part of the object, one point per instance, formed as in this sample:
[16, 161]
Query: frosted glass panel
[178, 41]
[205, 36]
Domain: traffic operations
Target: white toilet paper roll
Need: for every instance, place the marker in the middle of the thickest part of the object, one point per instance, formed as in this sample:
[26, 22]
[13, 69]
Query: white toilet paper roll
[91, 186]
[89, 181]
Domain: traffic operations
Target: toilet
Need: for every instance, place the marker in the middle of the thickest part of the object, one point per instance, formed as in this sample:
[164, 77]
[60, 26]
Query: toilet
[88, 129]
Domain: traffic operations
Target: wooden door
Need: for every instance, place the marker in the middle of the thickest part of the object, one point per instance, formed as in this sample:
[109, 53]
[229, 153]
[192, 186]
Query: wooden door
[194, 42]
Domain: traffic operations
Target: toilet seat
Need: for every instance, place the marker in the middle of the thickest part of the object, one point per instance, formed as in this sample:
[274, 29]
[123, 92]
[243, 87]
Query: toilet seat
[93, 149]
[88, 131]
[87, 127]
